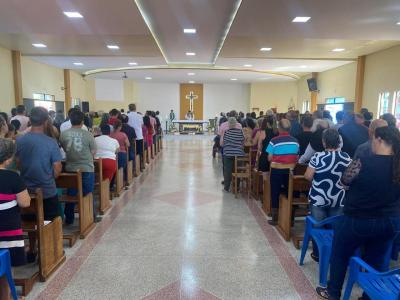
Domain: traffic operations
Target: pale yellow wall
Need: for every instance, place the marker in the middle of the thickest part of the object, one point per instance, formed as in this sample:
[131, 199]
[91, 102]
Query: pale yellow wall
[338, 82]
[106, 106]
[41, 78]
[7, 100]
[382, 74]
[79, 87]
[303, 93]
[273, 94]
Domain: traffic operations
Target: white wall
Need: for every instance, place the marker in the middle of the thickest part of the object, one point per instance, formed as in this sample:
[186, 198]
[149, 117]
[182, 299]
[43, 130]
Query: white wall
[225, 97]
[157, 96]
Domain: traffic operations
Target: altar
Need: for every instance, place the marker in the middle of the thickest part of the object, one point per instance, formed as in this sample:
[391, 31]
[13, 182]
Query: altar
[190, 126]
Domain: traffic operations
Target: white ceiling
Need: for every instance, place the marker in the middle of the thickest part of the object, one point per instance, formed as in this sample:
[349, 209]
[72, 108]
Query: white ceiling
[201, 76]
[150, 32]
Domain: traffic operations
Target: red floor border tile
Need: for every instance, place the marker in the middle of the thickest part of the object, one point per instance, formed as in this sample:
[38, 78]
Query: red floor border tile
[71, 267]
[300, 282]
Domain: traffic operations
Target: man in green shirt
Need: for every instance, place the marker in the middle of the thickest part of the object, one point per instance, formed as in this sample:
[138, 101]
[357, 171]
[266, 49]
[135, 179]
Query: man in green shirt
[79, 147]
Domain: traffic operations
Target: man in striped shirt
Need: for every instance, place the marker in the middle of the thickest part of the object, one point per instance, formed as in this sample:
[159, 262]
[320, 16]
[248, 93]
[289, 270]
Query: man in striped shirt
[283, 149]
[233, 142]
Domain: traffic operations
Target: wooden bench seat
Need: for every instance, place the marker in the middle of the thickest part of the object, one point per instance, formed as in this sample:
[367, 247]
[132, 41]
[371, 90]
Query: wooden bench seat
[49, 238]
[85, 204]
[102, 186]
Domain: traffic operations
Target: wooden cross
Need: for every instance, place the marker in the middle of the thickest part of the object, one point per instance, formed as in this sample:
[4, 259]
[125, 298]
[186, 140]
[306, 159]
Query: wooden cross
[191, 97]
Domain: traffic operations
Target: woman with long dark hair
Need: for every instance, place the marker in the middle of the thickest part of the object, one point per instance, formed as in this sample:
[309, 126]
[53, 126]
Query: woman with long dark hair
[371, 210]
[268, 130]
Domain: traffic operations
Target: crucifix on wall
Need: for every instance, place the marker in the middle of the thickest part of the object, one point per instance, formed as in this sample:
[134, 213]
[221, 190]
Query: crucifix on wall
[191, 97]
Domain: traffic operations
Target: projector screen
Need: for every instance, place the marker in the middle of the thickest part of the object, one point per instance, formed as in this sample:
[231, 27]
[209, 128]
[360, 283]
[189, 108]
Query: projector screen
[109, 90]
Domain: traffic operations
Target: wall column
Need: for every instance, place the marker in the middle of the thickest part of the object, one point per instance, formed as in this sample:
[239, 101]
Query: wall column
[359, 83]
[16, 63]
[67, 90]
[314, 95]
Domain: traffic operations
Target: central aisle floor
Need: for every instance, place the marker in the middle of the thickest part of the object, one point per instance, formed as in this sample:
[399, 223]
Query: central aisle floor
[176, 235]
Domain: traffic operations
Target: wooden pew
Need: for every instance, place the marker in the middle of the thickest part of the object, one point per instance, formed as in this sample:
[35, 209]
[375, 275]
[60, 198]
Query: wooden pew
[119, 180]
[137, 165]
[103, 187]
[129, 170]
[49, 242]
[298, 184]
[85, 204]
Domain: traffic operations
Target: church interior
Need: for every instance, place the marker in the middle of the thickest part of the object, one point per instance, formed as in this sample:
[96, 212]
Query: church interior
[199, 149]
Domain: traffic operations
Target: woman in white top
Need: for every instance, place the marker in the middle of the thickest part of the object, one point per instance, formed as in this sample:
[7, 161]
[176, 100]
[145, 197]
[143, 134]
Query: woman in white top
[107, 149]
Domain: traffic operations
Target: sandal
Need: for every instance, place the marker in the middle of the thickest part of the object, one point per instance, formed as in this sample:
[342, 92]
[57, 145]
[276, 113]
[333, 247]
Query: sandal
[322, 292]
[314, 257]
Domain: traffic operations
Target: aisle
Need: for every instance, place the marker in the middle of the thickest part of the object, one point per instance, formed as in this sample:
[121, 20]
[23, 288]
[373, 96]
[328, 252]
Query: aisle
[178, 236]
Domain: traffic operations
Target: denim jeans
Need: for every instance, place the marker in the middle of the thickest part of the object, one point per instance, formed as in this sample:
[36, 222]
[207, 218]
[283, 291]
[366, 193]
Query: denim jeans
[122, 162]
[87, 187]
[374, 235]
[321, 213]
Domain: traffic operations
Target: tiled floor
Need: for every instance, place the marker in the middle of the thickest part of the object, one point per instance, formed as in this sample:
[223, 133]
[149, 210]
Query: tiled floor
[176, 235]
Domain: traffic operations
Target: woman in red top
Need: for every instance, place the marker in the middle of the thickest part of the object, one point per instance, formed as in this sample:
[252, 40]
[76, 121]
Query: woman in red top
[123, 141]
[150, 130]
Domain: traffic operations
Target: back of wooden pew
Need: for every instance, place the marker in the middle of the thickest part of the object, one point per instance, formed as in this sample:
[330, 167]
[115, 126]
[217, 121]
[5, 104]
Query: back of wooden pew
[297, 183]
[50, 241]
[119, 180]
[85, 203]
[103, 185]
[129, 169]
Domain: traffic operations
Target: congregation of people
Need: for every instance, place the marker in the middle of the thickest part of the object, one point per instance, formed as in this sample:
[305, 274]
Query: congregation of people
[353, 166]
[36, 147]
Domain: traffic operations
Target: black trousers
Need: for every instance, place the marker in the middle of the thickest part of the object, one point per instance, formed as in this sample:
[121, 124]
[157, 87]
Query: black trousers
[279, 183]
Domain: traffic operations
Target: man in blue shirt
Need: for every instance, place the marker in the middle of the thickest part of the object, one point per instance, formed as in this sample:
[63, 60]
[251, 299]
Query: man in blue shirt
[39, 159]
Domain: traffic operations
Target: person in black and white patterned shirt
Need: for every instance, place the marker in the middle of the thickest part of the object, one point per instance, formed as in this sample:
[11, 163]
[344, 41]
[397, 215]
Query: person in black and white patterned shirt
[325, 171]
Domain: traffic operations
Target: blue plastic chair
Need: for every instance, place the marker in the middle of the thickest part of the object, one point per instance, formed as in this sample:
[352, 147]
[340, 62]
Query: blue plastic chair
[5, 270]
[323, 238]
[378, 286]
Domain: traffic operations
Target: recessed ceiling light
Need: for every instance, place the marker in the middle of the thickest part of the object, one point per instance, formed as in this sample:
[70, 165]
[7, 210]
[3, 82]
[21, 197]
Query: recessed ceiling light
[338, 50]
[73, 14]
[39, 45]
[247, 65]
[398, 23]
[191, 81]
[233, 79]
[189, 30]
[265, 49]
[301, 19]
[148, 78]
[190, 53]
[78, 64]
[132, 63]
[113, 47]
[304, 67]
[191, 74]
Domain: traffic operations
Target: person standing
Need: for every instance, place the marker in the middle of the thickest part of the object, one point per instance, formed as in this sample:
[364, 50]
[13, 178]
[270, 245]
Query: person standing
[352, 134]
[80, 147]
[282, 149]
[136, 122]
[371, 211]
[39, 160]
[21, 117]
[233, 142]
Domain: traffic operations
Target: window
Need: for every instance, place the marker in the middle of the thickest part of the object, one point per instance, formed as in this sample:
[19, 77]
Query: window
[335, 100]
[383, 103]
[306, 106]
[45, 100]
[76, 102]
[396, 106]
